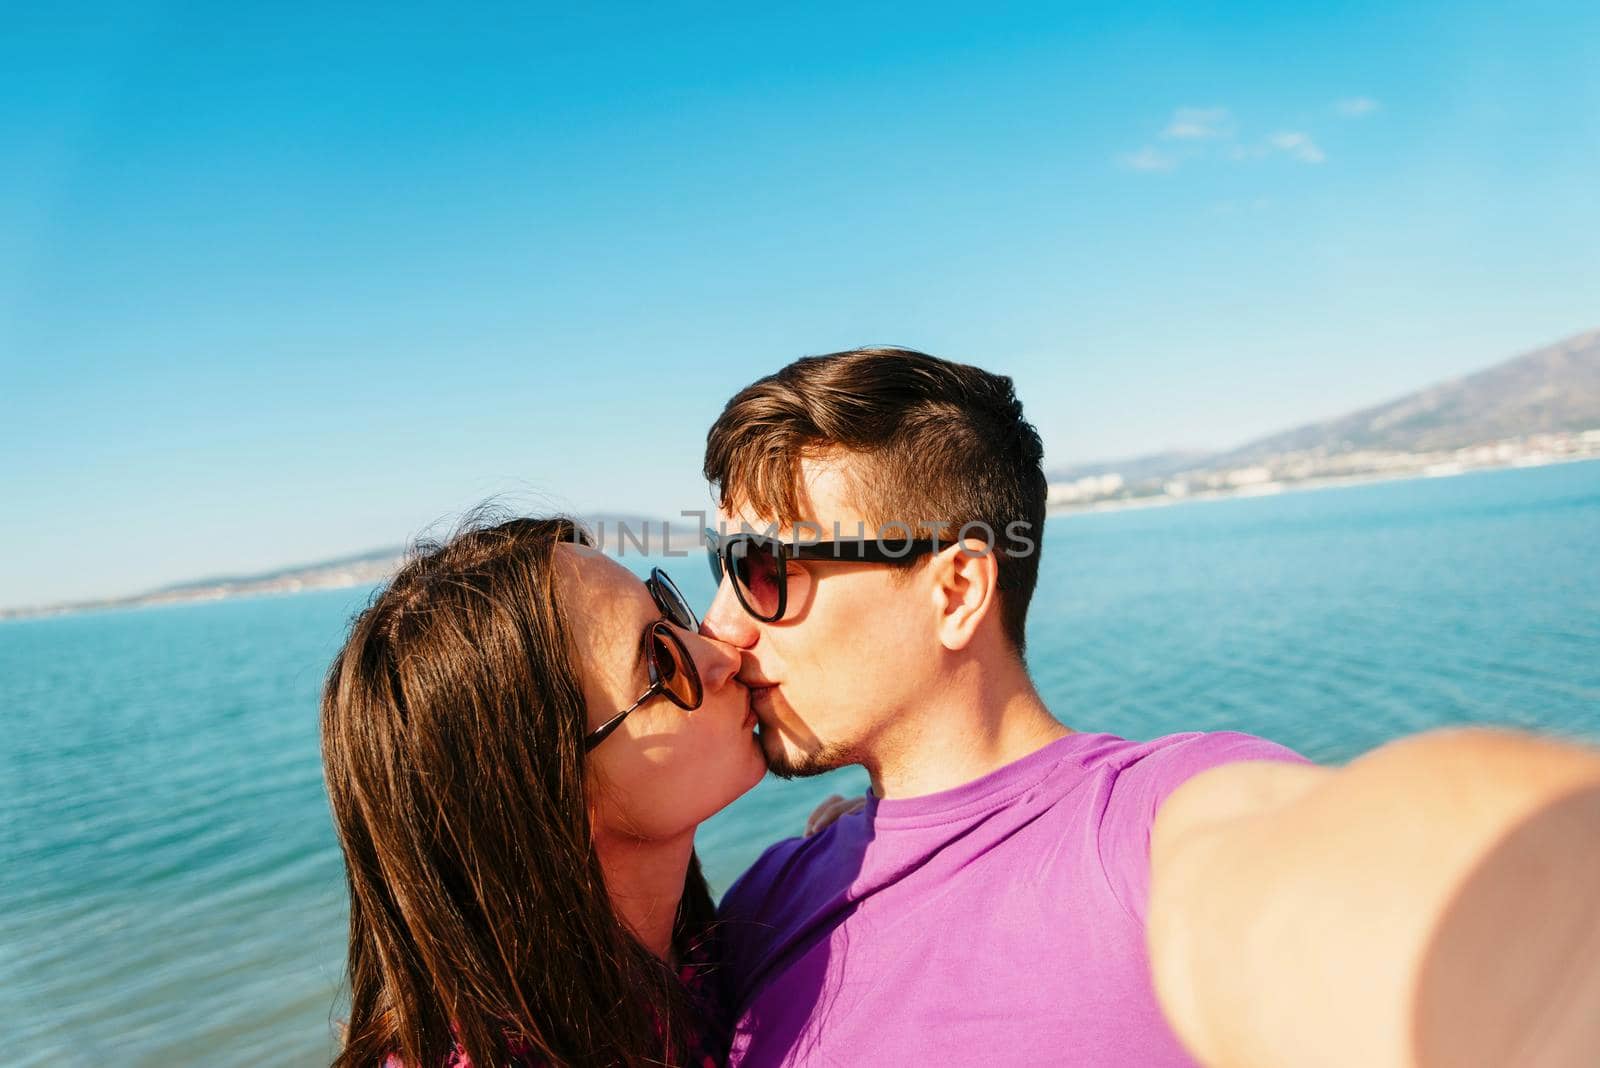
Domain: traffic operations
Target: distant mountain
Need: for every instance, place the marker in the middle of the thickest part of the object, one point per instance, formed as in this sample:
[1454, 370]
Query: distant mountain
[1548, 390]
[1552, 390]
[1137, 469]
[642, 534]
[380, 559]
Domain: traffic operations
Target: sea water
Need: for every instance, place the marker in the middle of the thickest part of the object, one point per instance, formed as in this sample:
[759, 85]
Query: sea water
[171, 890]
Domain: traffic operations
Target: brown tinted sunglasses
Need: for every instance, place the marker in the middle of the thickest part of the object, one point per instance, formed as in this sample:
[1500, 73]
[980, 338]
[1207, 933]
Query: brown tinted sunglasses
[671, 668]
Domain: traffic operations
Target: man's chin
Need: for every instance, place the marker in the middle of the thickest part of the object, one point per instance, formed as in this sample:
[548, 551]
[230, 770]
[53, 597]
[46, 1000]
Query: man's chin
[788, 763]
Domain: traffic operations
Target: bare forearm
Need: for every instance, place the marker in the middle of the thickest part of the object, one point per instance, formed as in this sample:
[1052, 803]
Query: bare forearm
[1435, 902]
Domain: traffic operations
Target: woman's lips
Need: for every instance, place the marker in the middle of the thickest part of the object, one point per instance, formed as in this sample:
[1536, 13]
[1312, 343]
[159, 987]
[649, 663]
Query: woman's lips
[758, 696]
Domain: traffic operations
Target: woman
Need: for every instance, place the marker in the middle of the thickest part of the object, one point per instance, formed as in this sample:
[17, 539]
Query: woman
[520, 739]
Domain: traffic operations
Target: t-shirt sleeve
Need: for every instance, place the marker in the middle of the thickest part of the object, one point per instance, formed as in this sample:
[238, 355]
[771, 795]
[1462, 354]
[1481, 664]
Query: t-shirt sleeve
[1154, 771]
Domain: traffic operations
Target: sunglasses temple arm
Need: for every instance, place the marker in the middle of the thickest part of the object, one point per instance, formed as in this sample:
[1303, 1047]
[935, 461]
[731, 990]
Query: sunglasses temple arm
[602, 732]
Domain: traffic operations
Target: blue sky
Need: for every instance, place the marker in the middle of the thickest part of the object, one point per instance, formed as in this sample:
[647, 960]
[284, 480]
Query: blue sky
[276, 286]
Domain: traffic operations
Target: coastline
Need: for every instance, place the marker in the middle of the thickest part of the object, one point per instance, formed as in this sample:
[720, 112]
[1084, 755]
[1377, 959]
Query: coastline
[1280, 487]
[374, 568]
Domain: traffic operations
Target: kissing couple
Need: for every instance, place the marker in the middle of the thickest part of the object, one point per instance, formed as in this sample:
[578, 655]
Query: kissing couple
[520, 739]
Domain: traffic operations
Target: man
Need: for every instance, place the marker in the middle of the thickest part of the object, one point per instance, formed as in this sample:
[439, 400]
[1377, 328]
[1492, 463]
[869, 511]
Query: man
[1015, 892]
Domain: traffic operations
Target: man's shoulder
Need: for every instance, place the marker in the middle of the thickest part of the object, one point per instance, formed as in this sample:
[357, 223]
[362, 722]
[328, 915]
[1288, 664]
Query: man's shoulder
[791, 869]
[742, 899]
[1189, 752]
[1156, 766]
[1142, 775]
[790, 884]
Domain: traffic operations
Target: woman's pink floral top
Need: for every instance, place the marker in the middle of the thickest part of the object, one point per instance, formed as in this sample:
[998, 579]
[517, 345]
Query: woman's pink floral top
[708, 1047]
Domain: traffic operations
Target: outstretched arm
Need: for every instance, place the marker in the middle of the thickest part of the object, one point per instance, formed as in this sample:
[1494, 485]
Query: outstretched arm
[1435, 902]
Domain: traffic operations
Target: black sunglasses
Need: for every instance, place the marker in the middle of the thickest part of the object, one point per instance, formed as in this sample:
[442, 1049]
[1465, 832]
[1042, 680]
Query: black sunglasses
[759, 564]
[671, 668]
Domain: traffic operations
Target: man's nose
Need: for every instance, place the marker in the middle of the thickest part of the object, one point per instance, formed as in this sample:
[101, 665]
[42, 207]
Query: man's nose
[727, 621]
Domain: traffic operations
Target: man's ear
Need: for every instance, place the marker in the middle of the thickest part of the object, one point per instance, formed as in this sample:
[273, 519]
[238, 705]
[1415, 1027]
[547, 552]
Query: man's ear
[966, 581]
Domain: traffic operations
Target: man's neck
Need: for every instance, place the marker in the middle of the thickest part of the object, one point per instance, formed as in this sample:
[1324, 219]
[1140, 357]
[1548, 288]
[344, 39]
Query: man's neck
[645, 881]
[985, 716]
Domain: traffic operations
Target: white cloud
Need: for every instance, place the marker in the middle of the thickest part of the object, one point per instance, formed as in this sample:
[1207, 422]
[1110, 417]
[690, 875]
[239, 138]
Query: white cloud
[1148, 159]
[1218, 126]
[1199, 124]
[1355, 107]
[1298, 145]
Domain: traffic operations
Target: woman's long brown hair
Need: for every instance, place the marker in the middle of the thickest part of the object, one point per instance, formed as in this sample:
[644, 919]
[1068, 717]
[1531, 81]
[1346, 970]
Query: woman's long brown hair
[452, 740]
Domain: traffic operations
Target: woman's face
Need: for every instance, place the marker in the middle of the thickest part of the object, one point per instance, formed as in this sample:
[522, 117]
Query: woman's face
[664, 770]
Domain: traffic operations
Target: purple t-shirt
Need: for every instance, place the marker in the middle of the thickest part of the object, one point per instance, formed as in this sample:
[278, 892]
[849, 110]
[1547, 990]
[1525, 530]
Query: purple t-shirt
[999, 922]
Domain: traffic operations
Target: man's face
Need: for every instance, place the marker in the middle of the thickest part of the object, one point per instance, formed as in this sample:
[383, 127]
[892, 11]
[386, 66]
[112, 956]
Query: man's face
[857, 643]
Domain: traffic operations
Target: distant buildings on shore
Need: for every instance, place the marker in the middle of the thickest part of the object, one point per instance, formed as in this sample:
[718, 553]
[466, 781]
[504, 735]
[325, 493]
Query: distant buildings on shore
[1304, 470]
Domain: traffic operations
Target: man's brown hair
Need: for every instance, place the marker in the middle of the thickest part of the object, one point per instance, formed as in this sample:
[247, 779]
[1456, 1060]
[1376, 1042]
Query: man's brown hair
[939, 442]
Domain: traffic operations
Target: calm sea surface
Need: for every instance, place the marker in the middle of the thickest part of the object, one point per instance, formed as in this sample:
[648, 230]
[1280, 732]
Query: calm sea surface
[171, 889]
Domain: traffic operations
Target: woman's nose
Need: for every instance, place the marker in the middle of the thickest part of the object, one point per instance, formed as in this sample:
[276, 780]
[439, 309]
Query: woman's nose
[716, 661]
